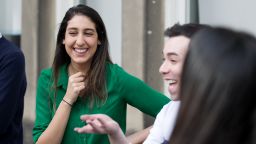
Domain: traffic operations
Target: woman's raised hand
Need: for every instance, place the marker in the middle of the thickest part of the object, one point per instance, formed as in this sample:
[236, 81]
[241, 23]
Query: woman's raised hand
[76, 83]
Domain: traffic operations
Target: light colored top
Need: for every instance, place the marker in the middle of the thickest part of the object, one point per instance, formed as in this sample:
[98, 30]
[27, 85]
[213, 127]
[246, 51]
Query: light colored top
[164, 124]
[0, 35]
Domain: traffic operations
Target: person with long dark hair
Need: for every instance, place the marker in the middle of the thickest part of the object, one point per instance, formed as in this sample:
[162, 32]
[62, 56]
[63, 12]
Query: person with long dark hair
[83, 80]
[218, 90]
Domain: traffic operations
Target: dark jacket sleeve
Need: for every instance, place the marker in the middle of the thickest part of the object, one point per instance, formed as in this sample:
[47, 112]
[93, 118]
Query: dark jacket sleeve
[12, 80]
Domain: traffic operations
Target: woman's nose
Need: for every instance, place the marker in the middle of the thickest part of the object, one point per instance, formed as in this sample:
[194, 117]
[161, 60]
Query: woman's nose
[80, 40]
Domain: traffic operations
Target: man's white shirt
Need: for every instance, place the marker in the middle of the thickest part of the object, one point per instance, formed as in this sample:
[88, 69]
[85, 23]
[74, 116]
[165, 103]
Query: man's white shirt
[164, 124]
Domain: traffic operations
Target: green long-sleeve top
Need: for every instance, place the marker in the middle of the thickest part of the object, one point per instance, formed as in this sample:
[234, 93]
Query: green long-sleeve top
[122, 89]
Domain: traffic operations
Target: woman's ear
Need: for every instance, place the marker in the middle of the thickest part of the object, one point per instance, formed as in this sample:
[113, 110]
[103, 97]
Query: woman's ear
[63, 41]
[99, 43]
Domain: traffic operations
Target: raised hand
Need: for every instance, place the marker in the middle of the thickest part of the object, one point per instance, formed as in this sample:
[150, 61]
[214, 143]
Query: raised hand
[76, 84]
[99, 123]
[103, 124]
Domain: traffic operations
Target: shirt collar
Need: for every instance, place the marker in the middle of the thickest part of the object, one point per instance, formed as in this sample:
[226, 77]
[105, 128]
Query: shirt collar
[1, 35]
[63, 77]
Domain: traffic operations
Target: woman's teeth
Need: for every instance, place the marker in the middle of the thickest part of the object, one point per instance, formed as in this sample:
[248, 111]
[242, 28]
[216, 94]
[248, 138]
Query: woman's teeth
[81, 50]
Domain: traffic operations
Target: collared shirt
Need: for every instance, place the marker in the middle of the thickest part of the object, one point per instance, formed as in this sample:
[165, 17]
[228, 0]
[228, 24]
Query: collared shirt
[0, 35]
[122, 89]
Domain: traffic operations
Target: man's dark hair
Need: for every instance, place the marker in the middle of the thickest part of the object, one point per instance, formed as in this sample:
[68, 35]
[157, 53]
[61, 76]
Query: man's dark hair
[187, 30]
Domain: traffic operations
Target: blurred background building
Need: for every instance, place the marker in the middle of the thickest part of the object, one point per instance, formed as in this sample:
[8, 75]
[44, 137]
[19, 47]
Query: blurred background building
[135, 29]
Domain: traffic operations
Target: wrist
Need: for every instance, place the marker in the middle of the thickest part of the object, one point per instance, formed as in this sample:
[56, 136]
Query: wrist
[116, 130]
[68, 103]
[68, 100]
[117, 133]
[118, 137]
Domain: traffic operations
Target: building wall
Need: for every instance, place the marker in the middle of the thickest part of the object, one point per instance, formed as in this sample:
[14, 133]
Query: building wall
[237, 14]
[111, 13]
[10, 14]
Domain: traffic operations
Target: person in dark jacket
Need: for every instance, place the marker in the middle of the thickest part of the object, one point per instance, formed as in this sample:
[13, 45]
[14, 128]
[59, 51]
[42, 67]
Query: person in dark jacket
[12, 89]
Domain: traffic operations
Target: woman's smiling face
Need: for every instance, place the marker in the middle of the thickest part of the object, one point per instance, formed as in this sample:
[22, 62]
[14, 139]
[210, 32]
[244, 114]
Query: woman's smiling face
[81, 40]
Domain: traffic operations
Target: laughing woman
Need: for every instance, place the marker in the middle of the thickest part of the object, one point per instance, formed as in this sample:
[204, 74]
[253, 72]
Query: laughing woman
[83, 80]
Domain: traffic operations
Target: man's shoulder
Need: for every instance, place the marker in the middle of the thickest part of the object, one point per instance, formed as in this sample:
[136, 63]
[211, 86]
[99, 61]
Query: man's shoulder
[8, 48]
[171, 106]
[5, 43]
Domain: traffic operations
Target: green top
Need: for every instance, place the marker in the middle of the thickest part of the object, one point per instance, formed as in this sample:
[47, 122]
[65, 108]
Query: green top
[122, 88]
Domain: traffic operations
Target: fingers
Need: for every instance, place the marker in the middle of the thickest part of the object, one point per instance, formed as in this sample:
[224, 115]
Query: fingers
[78, 86]
[84, 129]
[92, 127]
[106, 123]
[97, 126]
[75, 85]
[101, 117]
[101, 123]
[77, 77]
[77, 81]
[109, 125]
